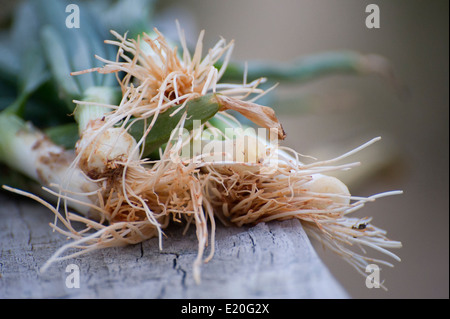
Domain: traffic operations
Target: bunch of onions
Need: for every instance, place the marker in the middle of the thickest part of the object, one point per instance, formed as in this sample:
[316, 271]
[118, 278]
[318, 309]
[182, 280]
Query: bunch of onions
[128, 176]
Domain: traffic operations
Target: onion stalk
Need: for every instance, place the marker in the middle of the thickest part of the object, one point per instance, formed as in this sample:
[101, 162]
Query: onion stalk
[29, 151]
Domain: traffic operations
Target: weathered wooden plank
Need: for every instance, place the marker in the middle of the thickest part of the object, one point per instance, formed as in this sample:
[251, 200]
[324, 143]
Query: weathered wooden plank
[273, 260]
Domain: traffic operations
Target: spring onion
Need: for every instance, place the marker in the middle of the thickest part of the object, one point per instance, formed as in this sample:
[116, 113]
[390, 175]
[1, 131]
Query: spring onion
[108, 172]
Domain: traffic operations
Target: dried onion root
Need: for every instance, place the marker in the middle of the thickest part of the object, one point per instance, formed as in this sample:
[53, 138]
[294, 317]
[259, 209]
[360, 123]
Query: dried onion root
[248, 193]
[157, 80]
[140, 207]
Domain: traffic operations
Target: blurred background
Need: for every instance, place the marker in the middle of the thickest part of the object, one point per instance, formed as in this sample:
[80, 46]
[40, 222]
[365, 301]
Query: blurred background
[332, 115]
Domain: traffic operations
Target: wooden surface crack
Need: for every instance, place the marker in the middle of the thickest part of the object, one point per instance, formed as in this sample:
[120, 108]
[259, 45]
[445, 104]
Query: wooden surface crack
[273, 260]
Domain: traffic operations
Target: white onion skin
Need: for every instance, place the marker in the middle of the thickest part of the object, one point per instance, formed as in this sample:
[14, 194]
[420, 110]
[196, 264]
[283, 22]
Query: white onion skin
[100, 150]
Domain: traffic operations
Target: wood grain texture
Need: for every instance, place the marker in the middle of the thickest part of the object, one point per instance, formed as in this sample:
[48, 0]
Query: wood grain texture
[273, 260]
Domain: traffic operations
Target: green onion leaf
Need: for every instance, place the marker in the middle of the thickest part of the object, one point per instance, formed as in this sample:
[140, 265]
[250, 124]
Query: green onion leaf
[202, 108]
